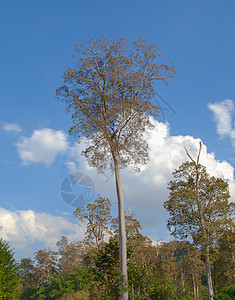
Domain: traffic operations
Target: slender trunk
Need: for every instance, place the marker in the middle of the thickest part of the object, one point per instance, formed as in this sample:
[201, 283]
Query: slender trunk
[194, 288]
[208, 271]
[205, 238]
[182, 279]
[207, 253]
[122, 230]
[197, 290]
[97, 241]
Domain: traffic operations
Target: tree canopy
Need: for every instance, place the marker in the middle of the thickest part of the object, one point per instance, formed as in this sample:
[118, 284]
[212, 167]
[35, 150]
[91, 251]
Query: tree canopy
[199, 209]
[109, 92]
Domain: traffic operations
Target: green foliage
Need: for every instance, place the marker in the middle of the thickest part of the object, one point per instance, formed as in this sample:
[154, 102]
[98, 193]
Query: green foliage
[69, 256]
[46, 265]
[225, 261]
[132, 225]
[166, 271]
[59, 286]
[226, 293]
[9, 277]
[106, 270]
[188, 206]
[29, 274]
[97, 216]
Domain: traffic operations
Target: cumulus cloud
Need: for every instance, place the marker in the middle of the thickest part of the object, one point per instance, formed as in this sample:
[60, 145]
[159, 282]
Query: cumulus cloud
[24, 227]
[11, 127]
[145, 192]
[223, 113]
[42, 147]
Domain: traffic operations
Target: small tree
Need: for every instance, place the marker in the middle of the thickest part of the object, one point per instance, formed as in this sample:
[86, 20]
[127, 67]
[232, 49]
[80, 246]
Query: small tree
[108, 93]
[199, 208]
[97, 216]
[9, 277]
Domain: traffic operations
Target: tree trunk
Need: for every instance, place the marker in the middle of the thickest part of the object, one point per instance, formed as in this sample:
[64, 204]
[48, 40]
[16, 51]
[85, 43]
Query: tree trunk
[123, 295]
[205, 239]
[194, 288]
[182, 280]
[208, 271]
[197, 289]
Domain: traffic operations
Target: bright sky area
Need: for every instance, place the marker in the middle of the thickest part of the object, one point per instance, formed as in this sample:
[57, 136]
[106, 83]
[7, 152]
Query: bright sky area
[37, 45]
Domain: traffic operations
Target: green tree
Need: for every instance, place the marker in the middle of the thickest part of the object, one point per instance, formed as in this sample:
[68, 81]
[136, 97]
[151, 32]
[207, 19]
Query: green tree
[97, 216]
[224, 264]
[46, 265]
[70, 256]
[226, 293]
[191, 268]
[28, 273]
[108, 93]
[199, 208]
[9, 276]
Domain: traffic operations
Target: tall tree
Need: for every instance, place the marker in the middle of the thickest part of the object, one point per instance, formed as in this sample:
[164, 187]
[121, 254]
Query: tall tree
[9, 276]
[108, 93]
[97, 216]
[199, 208]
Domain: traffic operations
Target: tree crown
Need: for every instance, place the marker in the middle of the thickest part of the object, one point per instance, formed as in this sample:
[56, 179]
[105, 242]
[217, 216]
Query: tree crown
[109, 92]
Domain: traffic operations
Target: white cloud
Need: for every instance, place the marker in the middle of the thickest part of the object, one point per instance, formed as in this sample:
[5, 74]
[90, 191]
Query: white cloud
[223, 115]
[42, 147]
[146, 191]
[22, 228]
[11, 127]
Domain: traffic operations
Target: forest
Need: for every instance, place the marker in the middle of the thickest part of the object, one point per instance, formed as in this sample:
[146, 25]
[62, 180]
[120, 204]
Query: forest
[89, 269]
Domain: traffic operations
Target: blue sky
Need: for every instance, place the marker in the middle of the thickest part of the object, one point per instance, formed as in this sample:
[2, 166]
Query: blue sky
[37, 44]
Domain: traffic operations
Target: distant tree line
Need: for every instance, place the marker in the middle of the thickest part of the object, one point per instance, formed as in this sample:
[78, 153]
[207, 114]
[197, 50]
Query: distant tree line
[175, 270]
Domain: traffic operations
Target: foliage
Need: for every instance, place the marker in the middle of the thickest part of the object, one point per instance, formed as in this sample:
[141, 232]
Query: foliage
[46, 265]
[59, 286]
[69, 256]
[199, 209]
[133, 227]
[97, 216]
[168, 270]
[226, 293]
[9, 276]
[106, 271]
[184, 221]
[29, 274]
[108, 92]
[225, 261]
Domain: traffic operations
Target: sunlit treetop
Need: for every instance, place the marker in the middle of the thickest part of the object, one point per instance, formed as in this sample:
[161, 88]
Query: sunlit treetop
[108, 91]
